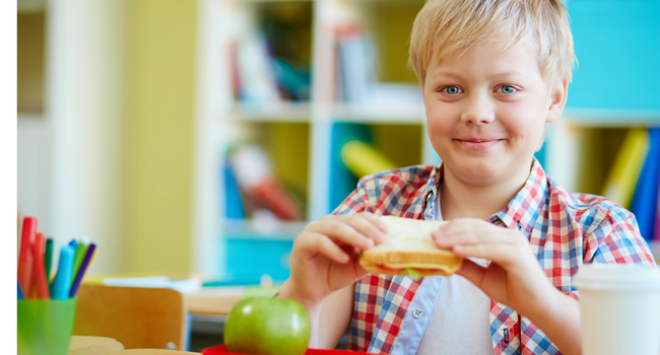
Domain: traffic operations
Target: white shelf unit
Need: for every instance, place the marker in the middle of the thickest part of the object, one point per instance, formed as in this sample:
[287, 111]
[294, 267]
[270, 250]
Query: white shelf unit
[287, 112]
[220, 120]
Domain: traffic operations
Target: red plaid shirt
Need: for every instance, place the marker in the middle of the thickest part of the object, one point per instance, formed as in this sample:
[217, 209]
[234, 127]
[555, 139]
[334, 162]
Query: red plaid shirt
[564, 231]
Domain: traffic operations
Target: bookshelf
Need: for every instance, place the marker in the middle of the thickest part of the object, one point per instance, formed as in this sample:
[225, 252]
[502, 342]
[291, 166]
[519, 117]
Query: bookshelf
[304, 154]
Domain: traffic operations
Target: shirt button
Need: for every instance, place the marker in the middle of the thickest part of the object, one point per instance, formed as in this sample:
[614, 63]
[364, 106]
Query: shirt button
[417, 313]
[519, 227]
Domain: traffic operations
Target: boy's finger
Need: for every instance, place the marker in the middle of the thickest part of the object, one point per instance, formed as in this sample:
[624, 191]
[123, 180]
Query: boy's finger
[459, 224]
[481, 234]
[342, 233]
[375, 220]
[501, 254]
[449, 240]
[364, 225]
[319, 243]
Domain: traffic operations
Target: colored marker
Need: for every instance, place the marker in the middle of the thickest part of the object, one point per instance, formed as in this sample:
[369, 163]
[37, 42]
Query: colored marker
[73, 243]
[59, 289]
[83, 268]
[40, 284]
[48, 257]
[25, 258]
[20, 293]
[81, 250]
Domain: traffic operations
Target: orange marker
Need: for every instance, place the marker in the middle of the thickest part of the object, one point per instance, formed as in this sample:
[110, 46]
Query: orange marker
[25, 257]
[40, 284]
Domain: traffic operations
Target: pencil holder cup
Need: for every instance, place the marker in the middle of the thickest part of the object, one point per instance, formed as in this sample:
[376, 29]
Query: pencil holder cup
[45, 326]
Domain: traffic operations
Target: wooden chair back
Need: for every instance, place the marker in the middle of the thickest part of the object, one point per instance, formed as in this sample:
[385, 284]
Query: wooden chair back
[136, 317]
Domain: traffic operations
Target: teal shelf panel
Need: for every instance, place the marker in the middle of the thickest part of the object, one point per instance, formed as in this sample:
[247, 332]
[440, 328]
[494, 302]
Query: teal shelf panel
[266, 257]
[617, 47]
[269, 230]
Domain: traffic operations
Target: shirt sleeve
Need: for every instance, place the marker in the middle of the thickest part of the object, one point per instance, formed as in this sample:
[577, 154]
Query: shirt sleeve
[617, 239]
[357, 201]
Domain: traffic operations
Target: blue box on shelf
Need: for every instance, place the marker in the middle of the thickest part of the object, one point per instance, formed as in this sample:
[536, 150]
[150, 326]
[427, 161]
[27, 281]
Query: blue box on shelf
[253, 249]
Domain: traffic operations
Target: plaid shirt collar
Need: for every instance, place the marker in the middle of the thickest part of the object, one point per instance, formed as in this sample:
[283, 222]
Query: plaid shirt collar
[523, 209]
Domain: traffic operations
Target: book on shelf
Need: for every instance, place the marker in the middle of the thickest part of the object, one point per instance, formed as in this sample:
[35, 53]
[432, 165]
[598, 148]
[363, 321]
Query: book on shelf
[233, 200]
[259, 79]
[355, 73]
[364, 159]
[645, 199]
[352, 156]
[620, 183]
[656, 232]
[293, 83]
[255, 71]
[342, 180]
[234, 75]
[356, 62]
[256, 188]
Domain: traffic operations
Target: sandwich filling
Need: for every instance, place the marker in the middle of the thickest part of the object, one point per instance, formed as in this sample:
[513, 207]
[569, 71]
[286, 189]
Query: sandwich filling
[408, 249]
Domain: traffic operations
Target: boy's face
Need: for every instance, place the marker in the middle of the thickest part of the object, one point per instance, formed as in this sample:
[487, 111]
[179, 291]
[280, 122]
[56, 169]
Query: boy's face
[486, 111]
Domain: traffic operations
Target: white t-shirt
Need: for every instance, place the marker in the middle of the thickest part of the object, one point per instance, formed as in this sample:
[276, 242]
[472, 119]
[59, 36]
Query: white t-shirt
[460, 323]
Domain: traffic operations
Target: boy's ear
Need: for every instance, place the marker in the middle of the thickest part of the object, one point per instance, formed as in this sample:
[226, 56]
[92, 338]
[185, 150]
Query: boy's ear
[558, 95]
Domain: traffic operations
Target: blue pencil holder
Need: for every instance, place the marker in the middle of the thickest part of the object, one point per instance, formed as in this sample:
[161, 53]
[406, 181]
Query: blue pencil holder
[45, 326]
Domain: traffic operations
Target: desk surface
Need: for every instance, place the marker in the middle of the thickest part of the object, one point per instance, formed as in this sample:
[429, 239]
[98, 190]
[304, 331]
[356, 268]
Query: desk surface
[85, 345]
[216, 301]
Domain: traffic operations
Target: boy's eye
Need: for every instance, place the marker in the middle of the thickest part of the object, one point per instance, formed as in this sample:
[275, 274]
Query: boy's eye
[507, 89]
[451, 90]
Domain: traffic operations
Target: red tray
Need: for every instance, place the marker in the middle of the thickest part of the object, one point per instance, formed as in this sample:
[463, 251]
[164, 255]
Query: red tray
[221, 349]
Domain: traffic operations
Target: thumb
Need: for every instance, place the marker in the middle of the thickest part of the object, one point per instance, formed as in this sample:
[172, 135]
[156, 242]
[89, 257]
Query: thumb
[357, 269]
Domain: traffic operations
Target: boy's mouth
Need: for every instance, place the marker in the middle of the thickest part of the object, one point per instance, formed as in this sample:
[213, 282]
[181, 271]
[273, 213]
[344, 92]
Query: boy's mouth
[478, 143]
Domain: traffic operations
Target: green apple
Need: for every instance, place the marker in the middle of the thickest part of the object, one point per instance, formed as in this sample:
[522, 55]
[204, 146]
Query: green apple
[267, 326]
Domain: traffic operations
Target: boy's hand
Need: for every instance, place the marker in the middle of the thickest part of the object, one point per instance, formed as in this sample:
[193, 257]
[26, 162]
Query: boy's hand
[325, 254]
[514, 277]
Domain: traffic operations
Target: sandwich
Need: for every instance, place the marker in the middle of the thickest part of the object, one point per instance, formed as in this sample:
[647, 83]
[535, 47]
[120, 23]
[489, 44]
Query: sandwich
[409, 249]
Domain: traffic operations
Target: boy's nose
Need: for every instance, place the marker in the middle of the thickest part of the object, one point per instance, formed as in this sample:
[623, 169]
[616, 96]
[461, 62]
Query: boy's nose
[478, 111]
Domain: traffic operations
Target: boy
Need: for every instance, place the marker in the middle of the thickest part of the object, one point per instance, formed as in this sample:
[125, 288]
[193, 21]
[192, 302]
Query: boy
[493, 74]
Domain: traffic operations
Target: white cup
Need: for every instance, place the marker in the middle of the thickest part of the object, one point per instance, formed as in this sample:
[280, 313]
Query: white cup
[620, 309]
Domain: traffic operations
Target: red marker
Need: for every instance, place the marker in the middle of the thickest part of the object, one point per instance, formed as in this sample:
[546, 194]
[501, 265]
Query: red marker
[25, 257]
[39, 284]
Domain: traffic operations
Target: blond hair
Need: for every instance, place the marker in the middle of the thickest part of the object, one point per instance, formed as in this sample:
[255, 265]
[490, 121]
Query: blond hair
[444, 26]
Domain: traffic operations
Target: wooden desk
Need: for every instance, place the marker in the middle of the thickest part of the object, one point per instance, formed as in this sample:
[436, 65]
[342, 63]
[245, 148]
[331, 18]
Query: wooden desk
[215, 301]
[218, 301]
[84, 345]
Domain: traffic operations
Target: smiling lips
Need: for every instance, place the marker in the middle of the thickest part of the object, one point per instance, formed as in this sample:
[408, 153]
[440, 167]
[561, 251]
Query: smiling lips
[478, 143]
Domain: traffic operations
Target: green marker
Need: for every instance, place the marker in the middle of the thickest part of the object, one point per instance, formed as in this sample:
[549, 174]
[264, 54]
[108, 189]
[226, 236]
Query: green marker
[81, 249]
[48, 257]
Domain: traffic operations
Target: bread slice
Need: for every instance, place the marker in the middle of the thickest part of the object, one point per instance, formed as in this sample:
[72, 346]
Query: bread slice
[408, 245]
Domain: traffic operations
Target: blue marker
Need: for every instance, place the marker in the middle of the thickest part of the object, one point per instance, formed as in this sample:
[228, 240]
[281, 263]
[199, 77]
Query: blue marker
[59, 289]
[73, 243]
[20, 293]
[81, 271]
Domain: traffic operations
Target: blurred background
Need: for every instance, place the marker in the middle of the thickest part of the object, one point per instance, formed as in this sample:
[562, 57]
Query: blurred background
[201, 136]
